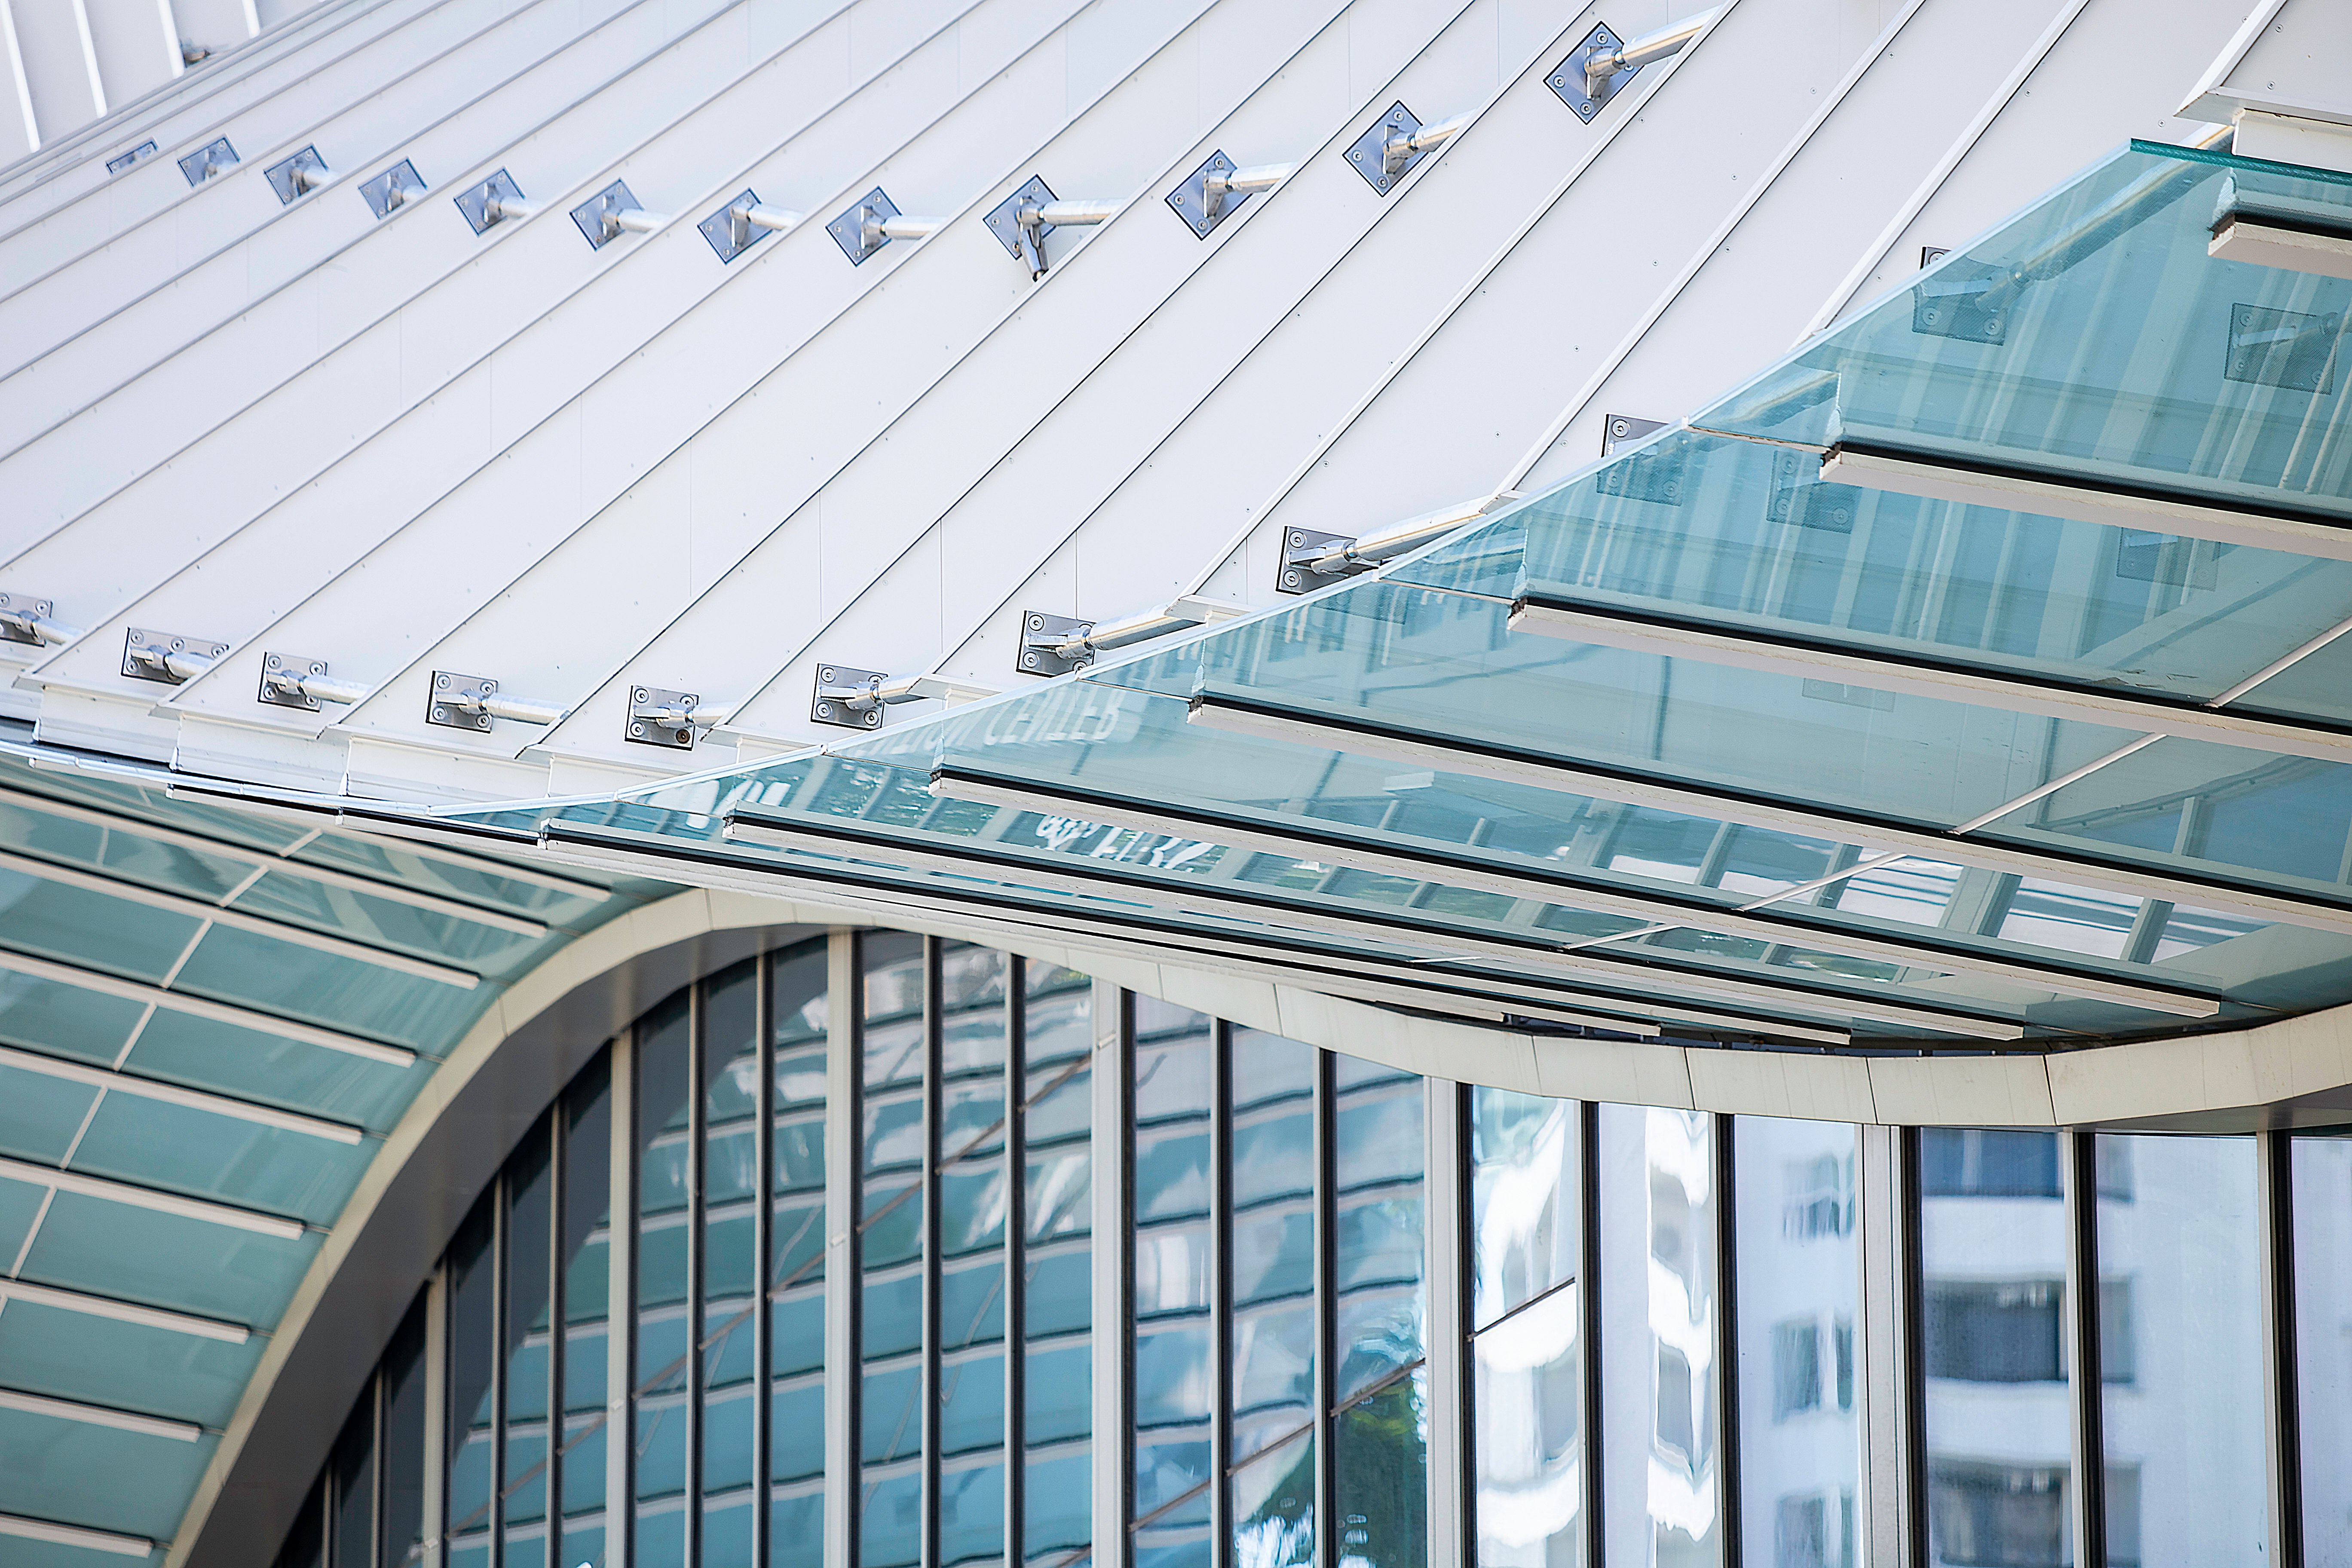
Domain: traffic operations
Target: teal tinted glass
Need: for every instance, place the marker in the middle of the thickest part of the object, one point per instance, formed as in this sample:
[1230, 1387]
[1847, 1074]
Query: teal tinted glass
[181, 1149]
[76, 1469]
[131, 1366]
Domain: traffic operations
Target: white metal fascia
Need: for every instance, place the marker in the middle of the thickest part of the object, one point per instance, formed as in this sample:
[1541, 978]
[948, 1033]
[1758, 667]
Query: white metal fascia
[229, 1106]
[58, 66]
[196, 108]
[1026, 368]
[423, 429]
[2287, 60]
[99, 1416]
[97, 256]
[173, 1204]
[601, 443]
[93, 1306]
[205, 1008]
[136, 46]
[19, 135]
[2113, 69]
[254, 311]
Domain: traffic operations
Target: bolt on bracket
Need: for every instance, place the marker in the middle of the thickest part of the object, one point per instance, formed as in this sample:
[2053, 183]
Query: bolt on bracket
[859, 231]
[1206, 197]
[742, 222]
[1019, 225]
[1573, 80]
[495, 200]
[457, 700]
[298, 176]
[21, 617]
[209, 160]
[394, 189]
[1052, 644]
[1301, 548]
[661, 717]
[1385, 153]
[612, 211]
[136, 156]
[282, 676]
[848, 699]
[1625, 429]
[166, 657]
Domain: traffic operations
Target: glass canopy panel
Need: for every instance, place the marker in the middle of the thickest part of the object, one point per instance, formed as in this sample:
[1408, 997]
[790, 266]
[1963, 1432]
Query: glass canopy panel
[2095, 336]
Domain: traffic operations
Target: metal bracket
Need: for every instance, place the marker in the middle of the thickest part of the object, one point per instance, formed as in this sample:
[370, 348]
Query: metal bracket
[1017, 228]
[1042, 636]
[838, 687]
[394, 189]
[440, 709]
[22, 612]
[1956, 303]
[1370, 155]
[1931, 254]
[1575, 88]
[858, 231]
[137, 155]
[2270, 347]
[1192, 202]
[147, 655]
[278, 667]
[1623, 429]
[730, 230]
[1301, 547]
[477, 202]
[599, 216]
[209, 160]
[285, 176]
[654, 717]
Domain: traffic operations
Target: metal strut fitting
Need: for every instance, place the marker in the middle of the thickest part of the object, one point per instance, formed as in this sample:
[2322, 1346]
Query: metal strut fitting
[743, 223]
[25, 619]
[471, 702]
[496, 200]
[1022, 221]
[298, 176]
[1310, 559]
[850, 698]
[395, 188]
[1219, 187]
[1601, 64]
[168, 657]
[675, 720]
[873, 223]
[1056, 645]
[290, 681]
[612, 211]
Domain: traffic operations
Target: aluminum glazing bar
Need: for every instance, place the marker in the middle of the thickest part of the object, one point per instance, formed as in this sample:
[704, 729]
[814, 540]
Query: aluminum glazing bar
[1467, 758]
[1255, 957]
[91, 1306]
[136, 1196]
[17, 1527]
[99, 1416]
[1305, 842]
[2020, 693]
[237, 919]
[2117, 505]
[1435, 945]
[202, 1007]
[116, 1082]
[326, 876]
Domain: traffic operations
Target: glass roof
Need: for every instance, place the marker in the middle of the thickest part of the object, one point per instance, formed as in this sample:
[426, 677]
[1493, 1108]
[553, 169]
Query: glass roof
[1696, 742]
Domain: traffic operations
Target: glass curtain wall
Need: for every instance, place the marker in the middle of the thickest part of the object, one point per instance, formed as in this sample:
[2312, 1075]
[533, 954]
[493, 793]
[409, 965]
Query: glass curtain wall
[1689, 1290]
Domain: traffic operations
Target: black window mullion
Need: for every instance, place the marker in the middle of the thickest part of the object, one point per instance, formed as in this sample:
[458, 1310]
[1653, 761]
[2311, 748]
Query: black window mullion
[1016, 1259]
[1911, 1314]
[1221, 1296]
[1122, 1544]
[698, 1124]
[852, 1009]
[501, 1288]
[1726, 1339]
[1588, 1149]
[2090, 1388]
[559, 1161]
[1327, 1312]
[929, 1381]
[1458, 1101]
[2276, 1153]
[763, 1245]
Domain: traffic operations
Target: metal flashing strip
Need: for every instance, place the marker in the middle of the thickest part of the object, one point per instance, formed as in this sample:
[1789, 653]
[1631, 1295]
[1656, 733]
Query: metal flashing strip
[868, 888]
[1610, 626]
[99, 1416]
[111, 1191]
[19, 1527]
[1319, 839]
[91, 1306]
[254, 855]
[1459, 755]
[238, 920]
[1446, 942]
[1930, 476]
[172, 1094]
[204, 1007]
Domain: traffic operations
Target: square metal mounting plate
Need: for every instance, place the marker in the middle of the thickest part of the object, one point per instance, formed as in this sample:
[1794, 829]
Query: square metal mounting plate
[401, 178]
[645, 730]
[476, 203]
[22, 605]
[1042, 635]
[439, 711]
[209, 160]
[1365, 157]
[1568, 79]
[138, 638]
[731, 234]
[1190, 200]
[137, 155]
[278, 696]
[848, 230]
[595, 214]
[1618, 430]
[1957, 302]
[1301, 546]
[1003, 220]
[280, 175]
[835, 684]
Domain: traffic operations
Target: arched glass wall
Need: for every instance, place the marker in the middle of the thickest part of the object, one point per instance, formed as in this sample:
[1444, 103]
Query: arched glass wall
[931, 1254]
